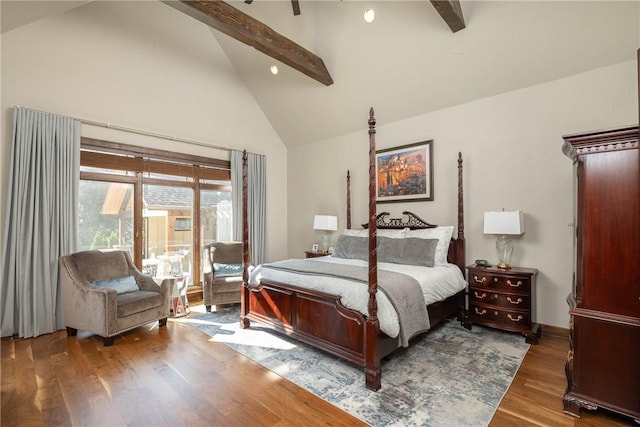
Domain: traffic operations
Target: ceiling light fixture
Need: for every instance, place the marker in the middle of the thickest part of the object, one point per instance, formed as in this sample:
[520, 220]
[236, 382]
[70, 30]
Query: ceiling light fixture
[369, 15]
[274, 69]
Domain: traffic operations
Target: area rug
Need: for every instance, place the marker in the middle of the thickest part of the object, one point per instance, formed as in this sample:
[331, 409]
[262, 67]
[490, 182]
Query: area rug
[447, 377]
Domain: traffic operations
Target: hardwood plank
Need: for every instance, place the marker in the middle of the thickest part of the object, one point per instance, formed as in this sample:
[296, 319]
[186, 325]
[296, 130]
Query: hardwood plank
[242, 27]
[178, 376]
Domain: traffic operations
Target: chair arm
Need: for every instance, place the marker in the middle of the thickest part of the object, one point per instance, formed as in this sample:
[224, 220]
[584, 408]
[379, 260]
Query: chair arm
[87, 306]
[146, 283]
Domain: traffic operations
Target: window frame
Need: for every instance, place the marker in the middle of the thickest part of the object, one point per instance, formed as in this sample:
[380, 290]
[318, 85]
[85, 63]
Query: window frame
[141, 161]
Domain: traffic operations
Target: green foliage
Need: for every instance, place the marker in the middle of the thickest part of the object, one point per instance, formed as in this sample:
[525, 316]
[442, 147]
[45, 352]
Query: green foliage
[95, 229]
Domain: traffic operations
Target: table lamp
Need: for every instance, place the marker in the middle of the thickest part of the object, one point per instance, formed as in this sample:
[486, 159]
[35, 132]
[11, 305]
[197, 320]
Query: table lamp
[504, 224]
[326, 223]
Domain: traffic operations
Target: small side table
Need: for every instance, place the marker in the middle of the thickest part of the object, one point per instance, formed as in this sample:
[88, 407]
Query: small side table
[504, 299]
[311, 254]
[178, 303]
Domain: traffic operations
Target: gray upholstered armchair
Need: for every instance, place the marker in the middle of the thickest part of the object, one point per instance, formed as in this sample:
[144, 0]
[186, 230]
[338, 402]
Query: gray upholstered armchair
[222, 284]
[104, 293]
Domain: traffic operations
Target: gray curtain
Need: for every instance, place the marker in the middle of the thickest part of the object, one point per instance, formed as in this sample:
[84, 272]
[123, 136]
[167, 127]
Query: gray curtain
[40, 225]
[256, 200]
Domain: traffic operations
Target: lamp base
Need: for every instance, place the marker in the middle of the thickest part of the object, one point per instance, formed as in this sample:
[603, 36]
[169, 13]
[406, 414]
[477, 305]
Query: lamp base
[503, 244]
[325, 242]
[503, 266]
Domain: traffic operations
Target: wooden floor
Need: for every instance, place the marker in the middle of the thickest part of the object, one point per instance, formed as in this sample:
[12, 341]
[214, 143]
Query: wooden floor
[175, 376]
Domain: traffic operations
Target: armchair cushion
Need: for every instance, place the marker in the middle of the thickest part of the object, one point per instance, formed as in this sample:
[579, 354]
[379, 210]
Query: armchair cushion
[136, 302]
[120, 284]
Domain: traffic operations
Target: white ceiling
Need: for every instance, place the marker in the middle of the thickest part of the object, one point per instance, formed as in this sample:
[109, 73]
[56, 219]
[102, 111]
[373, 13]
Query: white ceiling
[408, 62]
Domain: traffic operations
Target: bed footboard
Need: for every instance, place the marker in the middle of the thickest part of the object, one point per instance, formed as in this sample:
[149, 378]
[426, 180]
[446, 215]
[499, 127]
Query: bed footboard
[315, 318]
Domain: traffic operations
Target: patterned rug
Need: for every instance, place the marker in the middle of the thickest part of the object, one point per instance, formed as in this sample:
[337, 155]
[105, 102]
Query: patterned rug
[447, 377]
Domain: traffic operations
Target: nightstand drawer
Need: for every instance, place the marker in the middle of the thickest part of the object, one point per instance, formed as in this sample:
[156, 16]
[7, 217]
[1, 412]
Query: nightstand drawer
[503, 299]
[490, 281]
[502, 316]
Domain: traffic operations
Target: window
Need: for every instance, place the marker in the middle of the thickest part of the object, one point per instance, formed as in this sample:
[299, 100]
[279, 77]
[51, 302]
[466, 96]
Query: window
[162, 207]
[105, 215]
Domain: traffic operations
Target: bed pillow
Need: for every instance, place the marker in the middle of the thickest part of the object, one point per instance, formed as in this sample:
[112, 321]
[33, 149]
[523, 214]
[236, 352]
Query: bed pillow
[352, 247]
[121, 284]
[443, 234]
[390, 233]
[410, 251]
[221, 270]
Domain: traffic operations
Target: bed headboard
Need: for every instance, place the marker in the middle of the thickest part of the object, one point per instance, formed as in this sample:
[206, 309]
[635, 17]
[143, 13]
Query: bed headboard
[412, 221]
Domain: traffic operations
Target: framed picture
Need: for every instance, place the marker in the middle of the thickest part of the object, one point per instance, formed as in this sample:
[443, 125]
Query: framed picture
[314, 247]
[182, 224]
[405, 173]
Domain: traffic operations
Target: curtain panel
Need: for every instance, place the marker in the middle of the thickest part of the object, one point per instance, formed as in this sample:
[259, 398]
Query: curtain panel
[256, 200]
[40, 226]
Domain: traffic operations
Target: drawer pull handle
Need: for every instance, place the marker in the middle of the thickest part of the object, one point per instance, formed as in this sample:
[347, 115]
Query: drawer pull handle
[480, 296]
[495, 279]
[517, 319]
[484, 279]
[518, 301]
[518, 283]
[480, 312]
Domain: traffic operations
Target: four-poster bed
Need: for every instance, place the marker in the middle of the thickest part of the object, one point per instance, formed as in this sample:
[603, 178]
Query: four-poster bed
[322, 319]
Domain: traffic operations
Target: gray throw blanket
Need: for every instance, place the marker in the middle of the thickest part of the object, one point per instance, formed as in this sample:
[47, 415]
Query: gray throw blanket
[403, 291]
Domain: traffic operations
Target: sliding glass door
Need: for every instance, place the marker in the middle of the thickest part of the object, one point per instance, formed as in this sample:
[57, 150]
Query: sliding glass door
[161, 207]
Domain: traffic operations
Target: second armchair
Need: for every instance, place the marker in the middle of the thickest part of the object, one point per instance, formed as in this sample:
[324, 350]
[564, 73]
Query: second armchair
[222, 284]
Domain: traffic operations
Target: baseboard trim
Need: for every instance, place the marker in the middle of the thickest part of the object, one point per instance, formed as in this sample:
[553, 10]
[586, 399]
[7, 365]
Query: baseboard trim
[555, 331]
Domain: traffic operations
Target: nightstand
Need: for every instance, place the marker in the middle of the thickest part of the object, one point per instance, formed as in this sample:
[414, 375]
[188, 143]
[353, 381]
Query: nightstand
[311, 254]
[504, 299]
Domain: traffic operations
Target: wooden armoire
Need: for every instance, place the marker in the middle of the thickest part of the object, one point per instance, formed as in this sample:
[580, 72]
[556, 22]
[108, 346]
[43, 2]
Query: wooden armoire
[603, 364]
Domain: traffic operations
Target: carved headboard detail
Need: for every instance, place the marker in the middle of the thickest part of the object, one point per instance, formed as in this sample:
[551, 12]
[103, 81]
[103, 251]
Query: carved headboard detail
[409, 220]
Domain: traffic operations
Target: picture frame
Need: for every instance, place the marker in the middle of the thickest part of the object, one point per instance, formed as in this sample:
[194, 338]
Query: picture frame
[314, 247]
[405, 173]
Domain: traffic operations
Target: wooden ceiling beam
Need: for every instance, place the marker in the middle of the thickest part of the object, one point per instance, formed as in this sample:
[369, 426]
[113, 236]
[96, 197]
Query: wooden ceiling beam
[242, 27]
[451, 12]
[296, 7]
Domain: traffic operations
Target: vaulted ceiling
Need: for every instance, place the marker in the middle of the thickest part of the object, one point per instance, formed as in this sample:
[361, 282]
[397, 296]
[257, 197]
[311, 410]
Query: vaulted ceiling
[409, 61]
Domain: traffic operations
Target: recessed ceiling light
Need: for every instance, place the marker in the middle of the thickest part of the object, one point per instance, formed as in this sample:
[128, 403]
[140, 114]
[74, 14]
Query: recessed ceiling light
[274, 69]
[369, 15]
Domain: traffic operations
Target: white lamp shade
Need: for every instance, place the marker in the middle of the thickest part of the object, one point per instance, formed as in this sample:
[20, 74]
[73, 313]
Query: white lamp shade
[325, 222]
[506, 223]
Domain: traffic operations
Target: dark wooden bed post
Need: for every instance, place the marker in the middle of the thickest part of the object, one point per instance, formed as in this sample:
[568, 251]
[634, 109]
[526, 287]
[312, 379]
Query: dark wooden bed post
[246, 259]
[372, 368]
[460, 246]
[348, 200]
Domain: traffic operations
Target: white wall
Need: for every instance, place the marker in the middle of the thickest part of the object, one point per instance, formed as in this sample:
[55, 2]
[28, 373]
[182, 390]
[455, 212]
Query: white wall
[116, 63]
[511, 145]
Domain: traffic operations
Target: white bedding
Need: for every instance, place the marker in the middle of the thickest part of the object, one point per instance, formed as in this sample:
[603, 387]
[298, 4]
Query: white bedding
[437, 283]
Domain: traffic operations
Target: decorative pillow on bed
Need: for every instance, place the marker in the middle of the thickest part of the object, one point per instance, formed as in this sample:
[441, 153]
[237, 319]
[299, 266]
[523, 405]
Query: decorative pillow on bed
[443, 234]
[121, 284]
[226, 269]
[410, 251]
[392, 234]
[352, 247]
